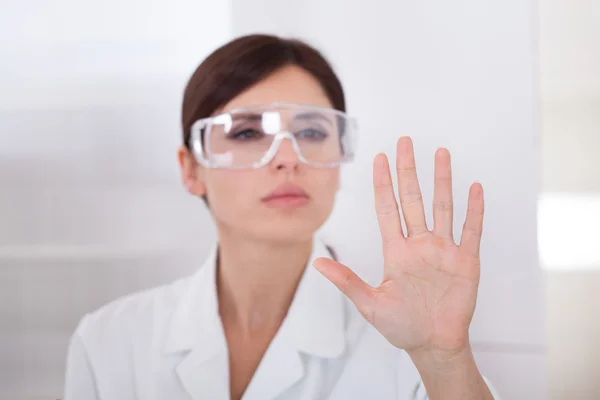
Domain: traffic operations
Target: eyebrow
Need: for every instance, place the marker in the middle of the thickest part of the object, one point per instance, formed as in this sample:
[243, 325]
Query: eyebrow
[248, 116]
[313, 115]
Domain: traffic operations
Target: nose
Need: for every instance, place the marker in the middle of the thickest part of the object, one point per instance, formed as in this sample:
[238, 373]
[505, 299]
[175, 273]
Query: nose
[285, 157]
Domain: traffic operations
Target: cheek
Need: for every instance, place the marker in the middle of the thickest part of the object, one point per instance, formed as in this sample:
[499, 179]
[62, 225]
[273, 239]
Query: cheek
[229, 192]
[326, 183]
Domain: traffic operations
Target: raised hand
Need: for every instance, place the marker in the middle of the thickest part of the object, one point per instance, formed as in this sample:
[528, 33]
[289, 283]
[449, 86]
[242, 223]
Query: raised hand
[427, 297]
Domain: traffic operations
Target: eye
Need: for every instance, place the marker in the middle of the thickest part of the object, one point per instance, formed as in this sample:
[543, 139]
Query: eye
[312, 134]
[245, 134]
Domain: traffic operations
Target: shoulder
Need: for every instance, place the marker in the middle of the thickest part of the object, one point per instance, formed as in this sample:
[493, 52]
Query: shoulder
[141, 314]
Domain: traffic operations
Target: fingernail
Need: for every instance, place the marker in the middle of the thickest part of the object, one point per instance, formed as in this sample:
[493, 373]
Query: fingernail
[316, 265]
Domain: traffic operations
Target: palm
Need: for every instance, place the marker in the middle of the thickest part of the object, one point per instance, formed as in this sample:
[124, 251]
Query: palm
[426, 300]
[427, 297]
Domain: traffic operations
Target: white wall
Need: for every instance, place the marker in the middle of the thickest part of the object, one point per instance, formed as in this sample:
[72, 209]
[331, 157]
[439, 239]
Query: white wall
[459, 74]
[570, 205]
[570, 87]
[90, 203]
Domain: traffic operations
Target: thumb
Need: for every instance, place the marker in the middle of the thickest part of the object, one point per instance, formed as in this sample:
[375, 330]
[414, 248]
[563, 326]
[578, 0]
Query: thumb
[357, 290]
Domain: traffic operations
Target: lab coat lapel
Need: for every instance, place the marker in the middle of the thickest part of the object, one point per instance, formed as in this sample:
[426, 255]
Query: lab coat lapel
[204, 378]
[317, 315]
[197, 334]
[279, 369]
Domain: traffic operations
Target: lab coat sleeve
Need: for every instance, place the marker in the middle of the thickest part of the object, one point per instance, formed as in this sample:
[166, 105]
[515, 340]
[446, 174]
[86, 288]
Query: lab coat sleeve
[79, 380]
[421, 394]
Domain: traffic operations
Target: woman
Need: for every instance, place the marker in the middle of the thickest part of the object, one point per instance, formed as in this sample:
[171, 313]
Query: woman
[265, 132]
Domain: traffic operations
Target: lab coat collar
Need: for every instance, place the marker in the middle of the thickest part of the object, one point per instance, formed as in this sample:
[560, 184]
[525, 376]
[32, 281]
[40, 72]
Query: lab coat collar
[196, 321]
[316, 316]
[314, 325]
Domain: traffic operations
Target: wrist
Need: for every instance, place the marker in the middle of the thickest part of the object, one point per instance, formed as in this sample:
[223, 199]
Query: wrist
[442, 362]
[450, 374]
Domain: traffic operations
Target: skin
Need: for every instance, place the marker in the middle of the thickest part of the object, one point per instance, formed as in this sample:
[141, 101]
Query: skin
[427, 298]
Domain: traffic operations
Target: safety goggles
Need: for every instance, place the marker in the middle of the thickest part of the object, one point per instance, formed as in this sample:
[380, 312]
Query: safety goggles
[250, 137]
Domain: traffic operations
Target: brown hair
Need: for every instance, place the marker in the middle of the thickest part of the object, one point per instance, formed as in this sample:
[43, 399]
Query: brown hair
[245, 61]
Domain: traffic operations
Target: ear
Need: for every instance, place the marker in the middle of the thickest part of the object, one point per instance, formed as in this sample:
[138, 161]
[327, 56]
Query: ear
[191, 175]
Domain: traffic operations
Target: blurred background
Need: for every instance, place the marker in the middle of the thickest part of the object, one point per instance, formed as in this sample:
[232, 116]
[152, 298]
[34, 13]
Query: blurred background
[569, 205]
[91, 207]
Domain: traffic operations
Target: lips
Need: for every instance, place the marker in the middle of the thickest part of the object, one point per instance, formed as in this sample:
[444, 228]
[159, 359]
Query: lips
[286, 195]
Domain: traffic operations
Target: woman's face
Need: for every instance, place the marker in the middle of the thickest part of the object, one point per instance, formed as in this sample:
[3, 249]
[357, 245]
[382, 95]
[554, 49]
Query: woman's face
[241, 201]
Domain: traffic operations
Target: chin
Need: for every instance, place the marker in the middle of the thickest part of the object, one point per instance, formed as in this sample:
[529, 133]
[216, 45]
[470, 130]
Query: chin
[288, 230]
[289, 234]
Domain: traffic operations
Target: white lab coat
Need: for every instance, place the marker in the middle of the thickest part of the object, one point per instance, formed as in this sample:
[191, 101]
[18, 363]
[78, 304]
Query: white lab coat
[168, 343]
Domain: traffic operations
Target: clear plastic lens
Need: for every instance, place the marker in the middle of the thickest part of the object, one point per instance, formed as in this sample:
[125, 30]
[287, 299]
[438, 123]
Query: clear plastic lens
[248, 138]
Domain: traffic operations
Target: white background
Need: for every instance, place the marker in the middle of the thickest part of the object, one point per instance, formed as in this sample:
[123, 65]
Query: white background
[570, 207]
[91, 207]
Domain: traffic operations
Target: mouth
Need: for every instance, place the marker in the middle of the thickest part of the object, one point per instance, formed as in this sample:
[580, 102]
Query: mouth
[286, 195]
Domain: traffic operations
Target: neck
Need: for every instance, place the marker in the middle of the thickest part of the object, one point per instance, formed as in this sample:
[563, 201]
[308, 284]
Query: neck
[257, 279]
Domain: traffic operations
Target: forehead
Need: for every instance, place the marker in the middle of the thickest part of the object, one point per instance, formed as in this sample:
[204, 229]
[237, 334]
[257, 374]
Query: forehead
[282, 114]
[288, 85]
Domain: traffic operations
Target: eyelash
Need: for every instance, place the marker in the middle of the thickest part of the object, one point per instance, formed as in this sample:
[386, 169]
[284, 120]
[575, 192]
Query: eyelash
[251, 133]
[320, 135]
[241, 134]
